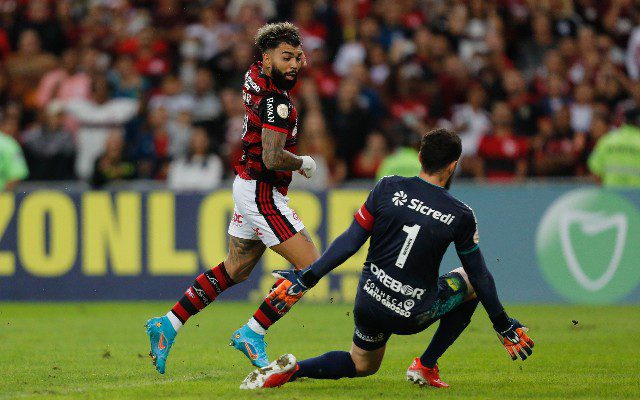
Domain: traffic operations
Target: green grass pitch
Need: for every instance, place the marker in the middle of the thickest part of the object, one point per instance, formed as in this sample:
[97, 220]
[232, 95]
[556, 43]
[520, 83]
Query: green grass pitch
[99, 351]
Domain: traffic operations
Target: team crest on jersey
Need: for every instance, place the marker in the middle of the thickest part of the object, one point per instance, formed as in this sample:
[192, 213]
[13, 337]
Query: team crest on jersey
[399, 198]
[282, 110]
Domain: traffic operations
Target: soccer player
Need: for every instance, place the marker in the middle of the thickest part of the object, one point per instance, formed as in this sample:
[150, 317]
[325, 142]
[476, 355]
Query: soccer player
[411, 222]
[262, 217]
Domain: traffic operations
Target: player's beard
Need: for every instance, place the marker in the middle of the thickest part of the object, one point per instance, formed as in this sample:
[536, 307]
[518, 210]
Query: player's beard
[281, 81]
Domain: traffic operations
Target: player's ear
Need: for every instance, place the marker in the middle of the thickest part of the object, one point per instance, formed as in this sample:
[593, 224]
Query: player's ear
[453, 166]
[266, 60]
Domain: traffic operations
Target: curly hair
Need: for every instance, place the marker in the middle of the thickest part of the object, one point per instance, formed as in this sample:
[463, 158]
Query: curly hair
[269, 36]
[438, 149]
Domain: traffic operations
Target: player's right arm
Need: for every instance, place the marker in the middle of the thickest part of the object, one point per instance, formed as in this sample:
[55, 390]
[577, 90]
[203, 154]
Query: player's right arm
[274, 156]
[510, 331]
[274, 113]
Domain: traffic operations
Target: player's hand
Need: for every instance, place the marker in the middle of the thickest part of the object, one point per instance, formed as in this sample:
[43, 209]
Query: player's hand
[290, 290]
[516, 341]
[298, 284]
[308, 168]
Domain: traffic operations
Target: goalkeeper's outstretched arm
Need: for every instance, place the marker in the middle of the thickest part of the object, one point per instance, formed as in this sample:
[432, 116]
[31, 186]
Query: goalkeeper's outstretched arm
[511, 332]
[297, 282]
[485, 287]
[345, 245]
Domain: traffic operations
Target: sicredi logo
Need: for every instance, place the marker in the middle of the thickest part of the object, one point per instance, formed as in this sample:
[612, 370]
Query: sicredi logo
[400, 199]
[587, 246]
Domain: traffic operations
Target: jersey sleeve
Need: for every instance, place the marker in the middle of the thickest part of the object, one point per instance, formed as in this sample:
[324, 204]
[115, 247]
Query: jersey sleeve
[466, 235]
[366, 214]
[274, 112]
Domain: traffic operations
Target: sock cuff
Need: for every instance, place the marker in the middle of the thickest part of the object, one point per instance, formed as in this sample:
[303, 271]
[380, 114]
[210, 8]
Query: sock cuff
[176, 323]
[223, 269]
[255, 326]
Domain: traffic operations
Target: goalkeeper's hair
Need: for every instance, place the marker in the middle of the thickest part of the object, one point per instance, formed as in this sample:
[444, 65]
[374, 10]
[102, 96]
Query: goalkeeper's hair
[270, 36]
[438, 149]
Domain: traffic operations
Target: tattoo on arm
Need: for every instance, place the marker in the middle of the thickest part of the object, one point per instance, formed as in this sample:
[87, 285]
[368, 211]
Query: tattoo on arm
[274, 156]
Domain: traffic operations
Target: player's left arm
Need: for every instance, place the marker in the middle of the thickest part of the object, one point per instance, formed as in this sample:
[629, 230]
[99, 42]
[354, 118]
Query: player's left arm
[510, 331]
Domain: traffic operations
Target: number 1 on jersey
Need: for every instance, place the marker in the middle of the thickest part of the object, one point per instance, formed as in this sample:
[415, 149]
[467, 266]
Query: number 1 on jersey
[412, 234]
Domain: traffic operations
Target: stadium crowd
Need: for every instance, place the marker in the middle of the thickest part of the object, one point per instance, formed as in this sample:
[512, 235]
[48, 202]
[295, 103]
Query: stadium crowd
[107, 90]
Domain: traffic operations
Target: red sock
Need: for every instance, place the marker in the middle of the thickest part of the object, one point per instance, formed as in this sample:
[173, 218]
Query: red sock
[204, 290]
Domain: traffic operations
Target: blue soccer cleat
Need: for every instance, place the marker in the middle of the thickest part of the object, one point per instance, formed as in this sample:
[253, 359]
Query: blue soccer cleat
[251, 345]
[162, 335]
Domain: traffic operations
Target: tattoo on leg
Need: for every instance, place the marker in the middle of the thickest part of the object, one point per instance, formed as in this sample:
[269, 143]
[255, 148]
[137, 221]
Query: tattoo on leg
[244, 254]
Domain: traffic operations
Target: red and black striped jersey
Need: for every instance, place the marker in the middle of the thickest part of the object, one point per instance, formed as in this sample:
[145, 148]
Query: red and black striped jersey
[266, 106]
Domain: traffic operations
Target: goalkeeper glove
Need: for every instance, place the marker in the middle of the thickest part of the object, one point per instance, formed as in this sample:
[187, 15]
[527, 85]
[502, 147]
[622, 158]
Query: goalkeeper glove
[291, 289]
[515, 340]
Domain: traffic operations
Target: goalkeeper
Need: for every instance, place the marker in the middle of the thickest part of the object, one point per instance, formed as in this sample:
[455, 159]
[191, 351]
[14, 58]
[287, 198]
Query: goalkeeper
[411, 222]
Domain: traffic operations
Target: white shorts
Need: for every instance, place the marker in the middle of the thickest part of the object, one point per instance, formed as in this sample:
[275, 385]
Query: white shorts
[261, 212]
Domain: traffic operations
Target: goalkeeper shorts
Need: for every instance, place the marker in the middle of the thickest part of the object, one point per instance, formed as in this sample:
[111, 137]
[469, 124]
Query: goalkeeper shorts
[374, 325]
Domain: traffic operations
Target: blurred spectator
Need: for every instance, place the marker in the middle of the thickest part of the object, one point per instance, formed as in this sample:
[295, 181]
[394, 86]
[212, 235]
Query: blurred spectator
[207, 106]
[582, 108]
[504, 153]
[149, 51]
[49, 148]
[64, 83]
[208, 36]
[560, 66]
[555, 97]
[112, 165]
[180, 131]
[521, 103]
[126, 81]
[616, 157]
[320, 69]
[531, 51]
[554, 151]
[97, 116]
[404, 160]
[38, 17]
[233, 126]
[13, 167]
[367, 162]
[316, 141]
[199, 170]
[172, 97]
[633, 54]
[585, 143]
[230, 66]
[471, 122]
[28, 65]
[351, 121]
